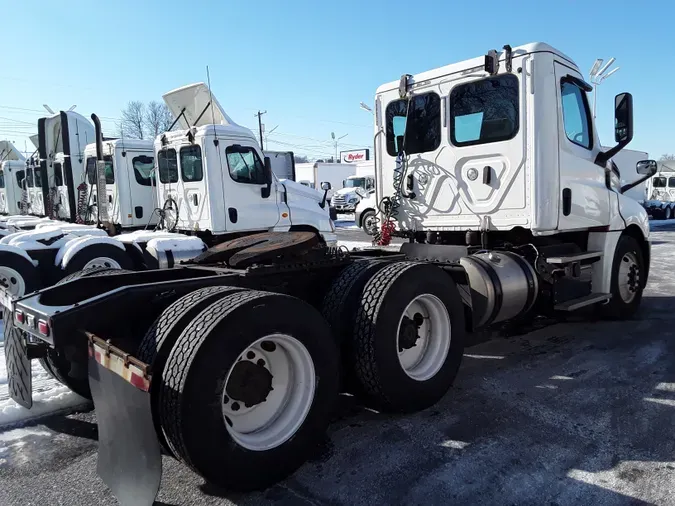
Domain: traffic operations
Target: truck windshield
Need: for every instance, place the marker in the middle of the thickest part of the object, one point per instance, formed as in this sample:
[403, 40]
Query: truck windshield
[20, 176]
[109, 172]
[659, 182]
[671, 182]
[358, 182]
[29, 178]
[168, 166]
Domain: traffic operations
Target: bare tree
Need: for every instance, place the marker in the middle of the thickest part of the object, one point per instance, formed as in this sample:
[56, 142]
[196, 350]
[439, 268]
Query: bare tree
[158, 118]
[133, 120]
[667, 158]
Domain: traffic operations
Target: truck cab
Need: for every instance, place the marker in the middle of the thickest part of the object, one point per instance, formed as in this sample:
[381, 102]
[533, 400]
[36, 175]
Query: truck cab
[61, 142]
[503, 148]
[12, 171]
[131, 195]
[354, 188]
[214, 180]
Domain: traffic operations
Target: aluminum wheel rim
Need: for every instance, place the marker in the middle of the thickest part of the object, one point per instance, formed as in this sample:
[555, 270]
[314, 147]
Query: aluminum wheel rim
[427, 356]
[104, 262]
[629, 277]
[371, 224]
[274, 421]
[12, 281]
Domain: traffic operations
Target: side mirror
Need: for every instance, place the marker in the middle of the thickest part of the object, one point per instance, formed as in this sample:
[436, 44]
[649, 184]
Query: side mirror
[265, 192]
[325, 186]
[646, 167]
[623, 118]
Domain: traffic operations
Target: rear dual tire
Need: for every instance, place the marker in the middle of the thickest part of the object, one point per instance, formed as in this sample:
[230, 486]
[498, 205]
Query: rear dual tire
[402, 331]
[228, 406]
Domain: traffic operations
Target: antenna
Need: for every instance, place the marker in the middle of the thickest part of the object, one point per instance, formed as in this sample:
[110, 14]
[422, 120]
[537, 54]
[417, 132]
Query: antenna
[49, 109]
[72, 108]
[213, 114]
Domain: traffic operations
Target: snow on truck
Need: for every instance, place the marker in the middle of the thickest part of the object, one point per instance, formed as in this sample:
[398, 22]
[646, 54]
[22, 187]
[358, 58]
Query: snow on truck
[231, 363]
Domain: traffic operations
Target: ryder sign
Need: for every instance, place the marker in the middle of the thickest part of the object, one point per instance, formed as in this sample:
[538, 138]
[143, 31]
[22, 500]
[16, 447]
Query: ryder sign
[355, 155]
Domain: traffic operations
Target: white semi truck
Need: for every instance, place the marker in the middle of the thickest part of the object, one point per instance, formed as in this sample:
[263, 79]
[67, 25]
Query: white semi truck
[12, 174]
[492, 170]
[354, 188]
[659, 198]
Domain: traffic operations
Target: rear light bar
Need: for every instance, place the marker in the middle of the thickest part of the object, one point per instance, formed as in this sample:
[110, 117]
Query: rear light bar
[43, 328]
[20, 317]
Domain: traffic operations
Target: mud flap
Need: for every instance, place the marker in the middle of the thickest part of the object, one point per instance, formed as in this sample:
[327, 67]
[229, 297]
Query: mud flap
[129, 458]
[19, 377]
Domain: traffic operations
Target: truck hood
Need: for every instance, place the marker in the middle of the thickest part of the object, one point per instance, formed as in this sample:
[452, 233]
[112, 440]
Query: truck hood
[301, 190]
[192, 100]
[359, 192]
[9, 152]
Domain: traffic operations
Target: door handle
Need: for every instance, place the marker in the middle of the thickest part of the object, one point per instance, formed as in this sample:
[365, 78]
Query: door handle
[195, 199]
[110, 199]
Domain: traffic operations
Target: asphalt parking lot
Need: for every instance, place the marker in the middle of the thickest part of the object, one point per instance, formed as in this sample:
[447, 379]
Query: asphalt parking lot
[580, 412]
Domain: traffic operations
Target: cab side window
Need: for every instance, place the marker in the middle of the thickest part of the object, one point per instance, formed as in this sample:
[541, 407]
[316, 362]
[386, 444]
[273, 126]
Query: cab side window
[576, 114]
[244, 165]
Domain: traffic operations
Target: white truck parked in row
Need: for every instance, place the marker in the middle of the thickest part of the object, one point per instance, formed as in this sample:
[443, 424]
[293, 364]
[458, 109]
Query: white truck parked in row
[212, 183]
[660, 193]
[12, 174]
[354, 188]
[493, 171]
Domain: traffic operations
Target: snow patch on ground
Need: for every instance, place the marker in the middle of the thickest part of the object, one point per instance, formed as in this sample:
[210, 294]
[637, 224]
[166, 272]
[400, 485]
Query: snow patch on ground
[48, 394]
[346, 221]
[350, 245]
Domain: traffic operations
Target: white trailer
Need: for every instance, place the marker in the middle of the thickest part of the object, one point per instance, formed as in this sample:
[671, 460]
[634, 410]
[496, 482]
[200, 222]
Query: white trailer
[233, 363]
[283, 164]
[313, 174]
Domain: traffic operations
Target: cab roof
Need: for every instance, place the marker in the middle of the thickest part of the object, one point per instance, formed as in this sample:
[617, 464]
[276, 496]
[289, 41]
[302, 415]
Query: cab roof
[478, 62]
[8, 152]
[110, 144]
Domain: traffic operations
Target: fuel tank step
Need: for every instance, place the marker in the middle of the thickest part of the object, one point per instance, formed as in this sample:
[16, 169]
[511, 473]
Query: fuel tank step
[586, 300]
[577, 257]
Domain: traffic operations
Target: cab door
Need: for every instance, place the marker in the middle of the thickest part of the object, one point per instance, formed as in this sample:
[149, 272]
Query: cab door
[583, 185]
[141, 183]
[248, 205]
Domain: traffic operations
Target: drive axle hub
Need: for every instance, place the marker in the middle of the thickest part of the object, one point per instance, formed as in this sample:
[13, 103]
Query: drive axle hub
[249, 383]
[409, 332]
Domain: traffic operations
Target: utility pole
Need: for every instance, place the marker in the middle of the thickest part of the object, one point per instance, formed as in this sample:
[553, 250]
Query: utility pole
[259, 114]
[335, 143]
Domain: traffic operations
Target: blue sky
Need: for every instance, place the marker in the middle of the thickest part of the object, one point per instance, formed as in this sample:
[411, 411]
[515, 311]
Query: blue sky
[310, 63]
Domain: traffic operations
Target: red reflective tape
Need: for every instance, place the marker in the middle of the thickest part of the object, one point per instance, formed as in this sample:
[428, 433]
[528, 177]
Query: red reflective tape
[97, 356]
[139, 382]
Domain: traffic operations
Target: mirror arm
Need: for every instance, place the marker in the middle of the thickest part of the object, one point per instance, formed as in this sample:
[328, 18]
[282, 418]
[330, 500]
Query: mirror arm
[322, 204]
[644, 178]
[604, 156]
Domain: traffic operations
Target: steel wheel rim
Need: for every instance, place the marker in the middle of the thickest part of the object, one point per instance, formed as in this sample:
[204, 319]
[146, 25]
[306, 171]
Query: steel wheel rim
[275, 420]
[12, 281]
[423, 361]
[103, 262]
[629, 277]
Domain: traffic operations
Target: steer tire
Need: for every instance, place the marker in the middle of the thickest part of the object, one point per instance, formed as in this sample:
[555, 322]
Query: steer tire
[55, 362]
[162, 335]
[375, 350]
[339, 308]
[617, 308]
[101, 251]
[190, 396]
